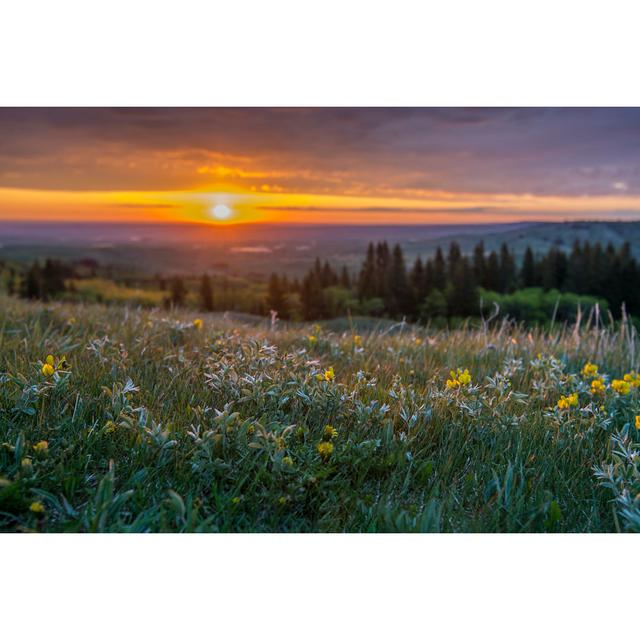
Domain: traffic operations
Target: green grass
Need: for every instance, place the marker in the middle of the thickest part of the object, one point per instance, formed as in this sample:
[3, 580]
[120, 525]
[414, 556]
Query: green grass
[159, 426]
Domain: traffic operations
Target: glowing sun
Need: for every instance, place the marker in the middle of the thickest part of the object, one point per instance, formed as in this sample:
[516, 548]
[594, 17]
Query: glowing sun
[221, 212]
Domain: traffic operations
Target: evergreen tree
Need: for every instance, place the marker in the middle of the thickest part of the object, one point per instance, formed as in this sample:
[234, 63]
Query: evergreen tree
[276, 300]
[32, 283]
[492, 273]
[178, 292]
[345, 280]
[399, 297]
[367, 279]
[528, 271]
[418, 282]
[206, 293]
[439, 271]
[507, 270]
[479, 264]
[453, 259]
[462, 295]
[312, 297]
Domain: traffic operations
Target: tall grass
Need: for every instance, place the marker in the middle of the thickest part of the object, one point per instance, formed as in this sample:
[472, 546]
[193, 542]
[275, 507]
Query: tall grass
[159, 425]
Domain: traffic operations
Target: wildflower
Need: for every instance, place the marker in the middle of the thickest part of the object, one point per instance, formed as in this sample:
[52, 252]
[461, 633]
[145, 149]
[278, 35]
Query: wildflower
[417, 342]
[458, 378]
[288, 461]
[621, 386]
[597, 386]
[41, 447]
[50, 366]
[329, 433]
[26, 463]
[638, 422]
[36, 507]
[47, 369]
[110, 426]
[357, 340]
[590, 370]
[327, 376]
[312, 339]
[197, 323]
[569, 401]
[325, 449]
[633, 378]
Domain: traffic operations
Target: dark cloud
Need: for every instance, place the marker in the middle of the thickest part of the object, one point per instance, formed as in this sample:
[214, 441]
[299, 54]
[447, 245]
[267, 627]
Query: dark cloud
[539, 151]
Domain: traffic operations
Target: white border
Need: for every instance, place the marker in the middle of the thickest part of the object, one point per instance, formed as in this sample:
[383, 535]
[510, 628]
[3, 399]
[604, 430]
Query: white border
[335, 52]
[312, 53]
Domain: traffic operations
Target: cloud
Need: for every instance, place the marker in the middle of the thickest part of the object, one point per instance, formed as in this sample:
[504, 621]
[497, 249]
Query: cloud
[361, 150]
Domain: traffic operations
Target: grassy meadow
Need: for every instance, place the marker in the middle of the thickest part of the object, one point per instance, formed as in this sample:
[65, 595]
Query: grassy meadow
[148, 420]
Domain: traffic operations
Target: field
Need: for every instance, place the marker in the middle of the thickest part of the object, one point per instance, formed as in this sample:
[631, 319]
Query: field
[148, 420]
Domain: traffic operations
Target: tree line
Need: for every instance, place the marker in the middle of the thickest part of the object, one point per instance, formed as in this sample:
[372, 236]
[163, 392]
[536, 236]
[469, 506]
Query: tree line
[450, 284]
[446, 285]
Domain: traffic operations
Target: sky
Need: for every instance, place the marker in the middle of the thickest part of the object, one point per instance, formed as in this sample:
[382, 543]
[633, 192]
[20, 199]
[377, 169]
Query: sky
[299, 165]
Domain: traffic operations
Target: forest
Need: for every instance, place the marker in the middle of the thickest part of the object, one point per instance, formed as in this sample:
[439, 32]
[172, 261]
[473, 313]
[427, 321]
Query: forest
[447, 286]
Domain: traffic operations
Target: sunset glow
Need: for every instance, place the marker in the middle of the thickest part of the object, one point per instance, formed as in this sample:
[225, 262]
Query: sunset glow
[353, 166]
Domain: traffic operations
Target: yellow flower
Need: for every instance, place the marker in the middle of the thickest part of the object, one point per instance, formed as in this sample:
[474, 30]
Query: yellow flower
[47, 369]
[325, 449]
[50, 360]
[36, 507]
[26, 463]
[458, 378]
[327, 376]
[621, 386]
[41, 447]
[633, 378]
[598, 386]
[566, 402]
[590, 370]
[417, 341]
[312, 339]
[637, 422]
[197, 323]
[329, 433]
[357, 340]
[288, 461]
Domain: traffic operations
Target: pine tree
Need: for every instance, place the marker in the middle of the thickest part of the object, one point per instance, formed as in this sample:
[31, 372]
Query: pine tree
[345, 280]
[439, 271]
[276, 300]
[206, 293]
[312, 297]
[479, 263]
[178, 292]
[453, 259]
[418, 283]
[32, 283]
[399, 298]
[507, 270]
[528, 271]
[462, 295]
[367, 278]
[492, 273]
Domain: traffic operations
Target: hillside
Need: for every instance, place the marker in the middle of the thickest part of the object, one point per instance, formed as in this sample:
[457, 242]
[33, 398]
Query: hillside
[253, 250]
[154, 421]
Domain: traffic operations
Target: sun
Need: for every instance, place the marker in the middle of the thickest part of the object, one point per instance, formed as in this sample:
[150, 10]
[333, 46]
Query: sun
[221, 212]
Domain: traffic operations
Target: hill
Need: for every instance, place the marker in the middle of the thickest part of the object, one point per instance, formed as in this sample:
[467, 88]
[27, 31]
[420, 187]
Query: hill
[121, 419]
